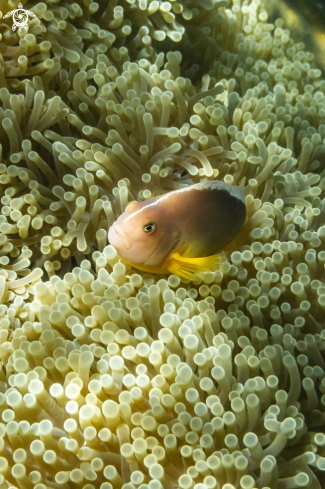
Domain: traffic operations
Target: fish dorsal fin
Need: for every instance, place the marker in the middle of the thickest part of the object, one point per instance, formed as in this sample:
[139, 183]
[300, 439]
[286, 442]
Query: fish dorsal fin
[189, 267]
[158, 192]
[131, 203]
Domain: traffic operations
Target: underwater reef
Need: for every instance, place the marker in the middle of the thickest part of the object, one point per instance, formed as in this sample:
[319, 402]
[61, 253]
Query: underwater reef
[112, 378]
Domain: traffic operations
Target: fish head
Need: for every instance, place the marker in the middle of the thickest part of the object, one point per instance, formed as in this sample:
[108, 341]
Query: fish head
[140, 232]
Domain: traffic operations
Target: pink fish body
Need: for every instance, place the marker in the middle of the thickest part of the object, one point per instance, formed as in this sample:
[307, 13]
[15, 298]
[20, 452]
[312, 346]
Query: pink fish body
[180, 232]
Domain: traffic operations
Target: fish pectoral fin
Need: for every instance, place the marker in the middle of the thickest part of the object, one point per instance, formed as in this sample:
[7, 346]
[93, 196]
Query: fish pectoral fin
[189, 267]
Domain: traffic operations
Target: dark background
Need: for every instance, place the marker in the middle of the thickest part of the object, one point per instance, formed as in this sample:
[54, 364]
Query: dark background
[306, 21]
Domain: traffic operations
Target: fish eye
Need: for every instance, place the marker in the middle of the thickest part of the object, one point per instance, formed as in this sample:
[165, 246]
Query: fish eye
[150, 227]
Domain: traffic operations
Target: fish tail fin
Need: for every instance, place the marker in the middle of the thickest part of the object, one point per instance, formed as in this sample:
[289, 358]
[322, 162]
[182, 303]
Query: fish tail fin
[189, 267]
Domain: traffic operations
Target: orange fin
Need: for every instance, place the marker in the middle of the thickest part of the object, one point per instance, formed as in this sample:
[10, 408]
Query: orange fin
[189, 267]
[131, 203]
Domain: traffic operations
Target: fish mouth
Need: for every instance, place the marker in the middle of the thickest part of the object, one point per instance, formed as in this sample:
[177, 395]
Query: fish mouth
[118, 239]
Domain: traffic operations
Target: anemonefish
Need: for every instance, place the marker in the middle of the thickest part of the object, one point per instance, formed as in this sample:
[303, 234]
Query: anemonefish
[180, 232]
